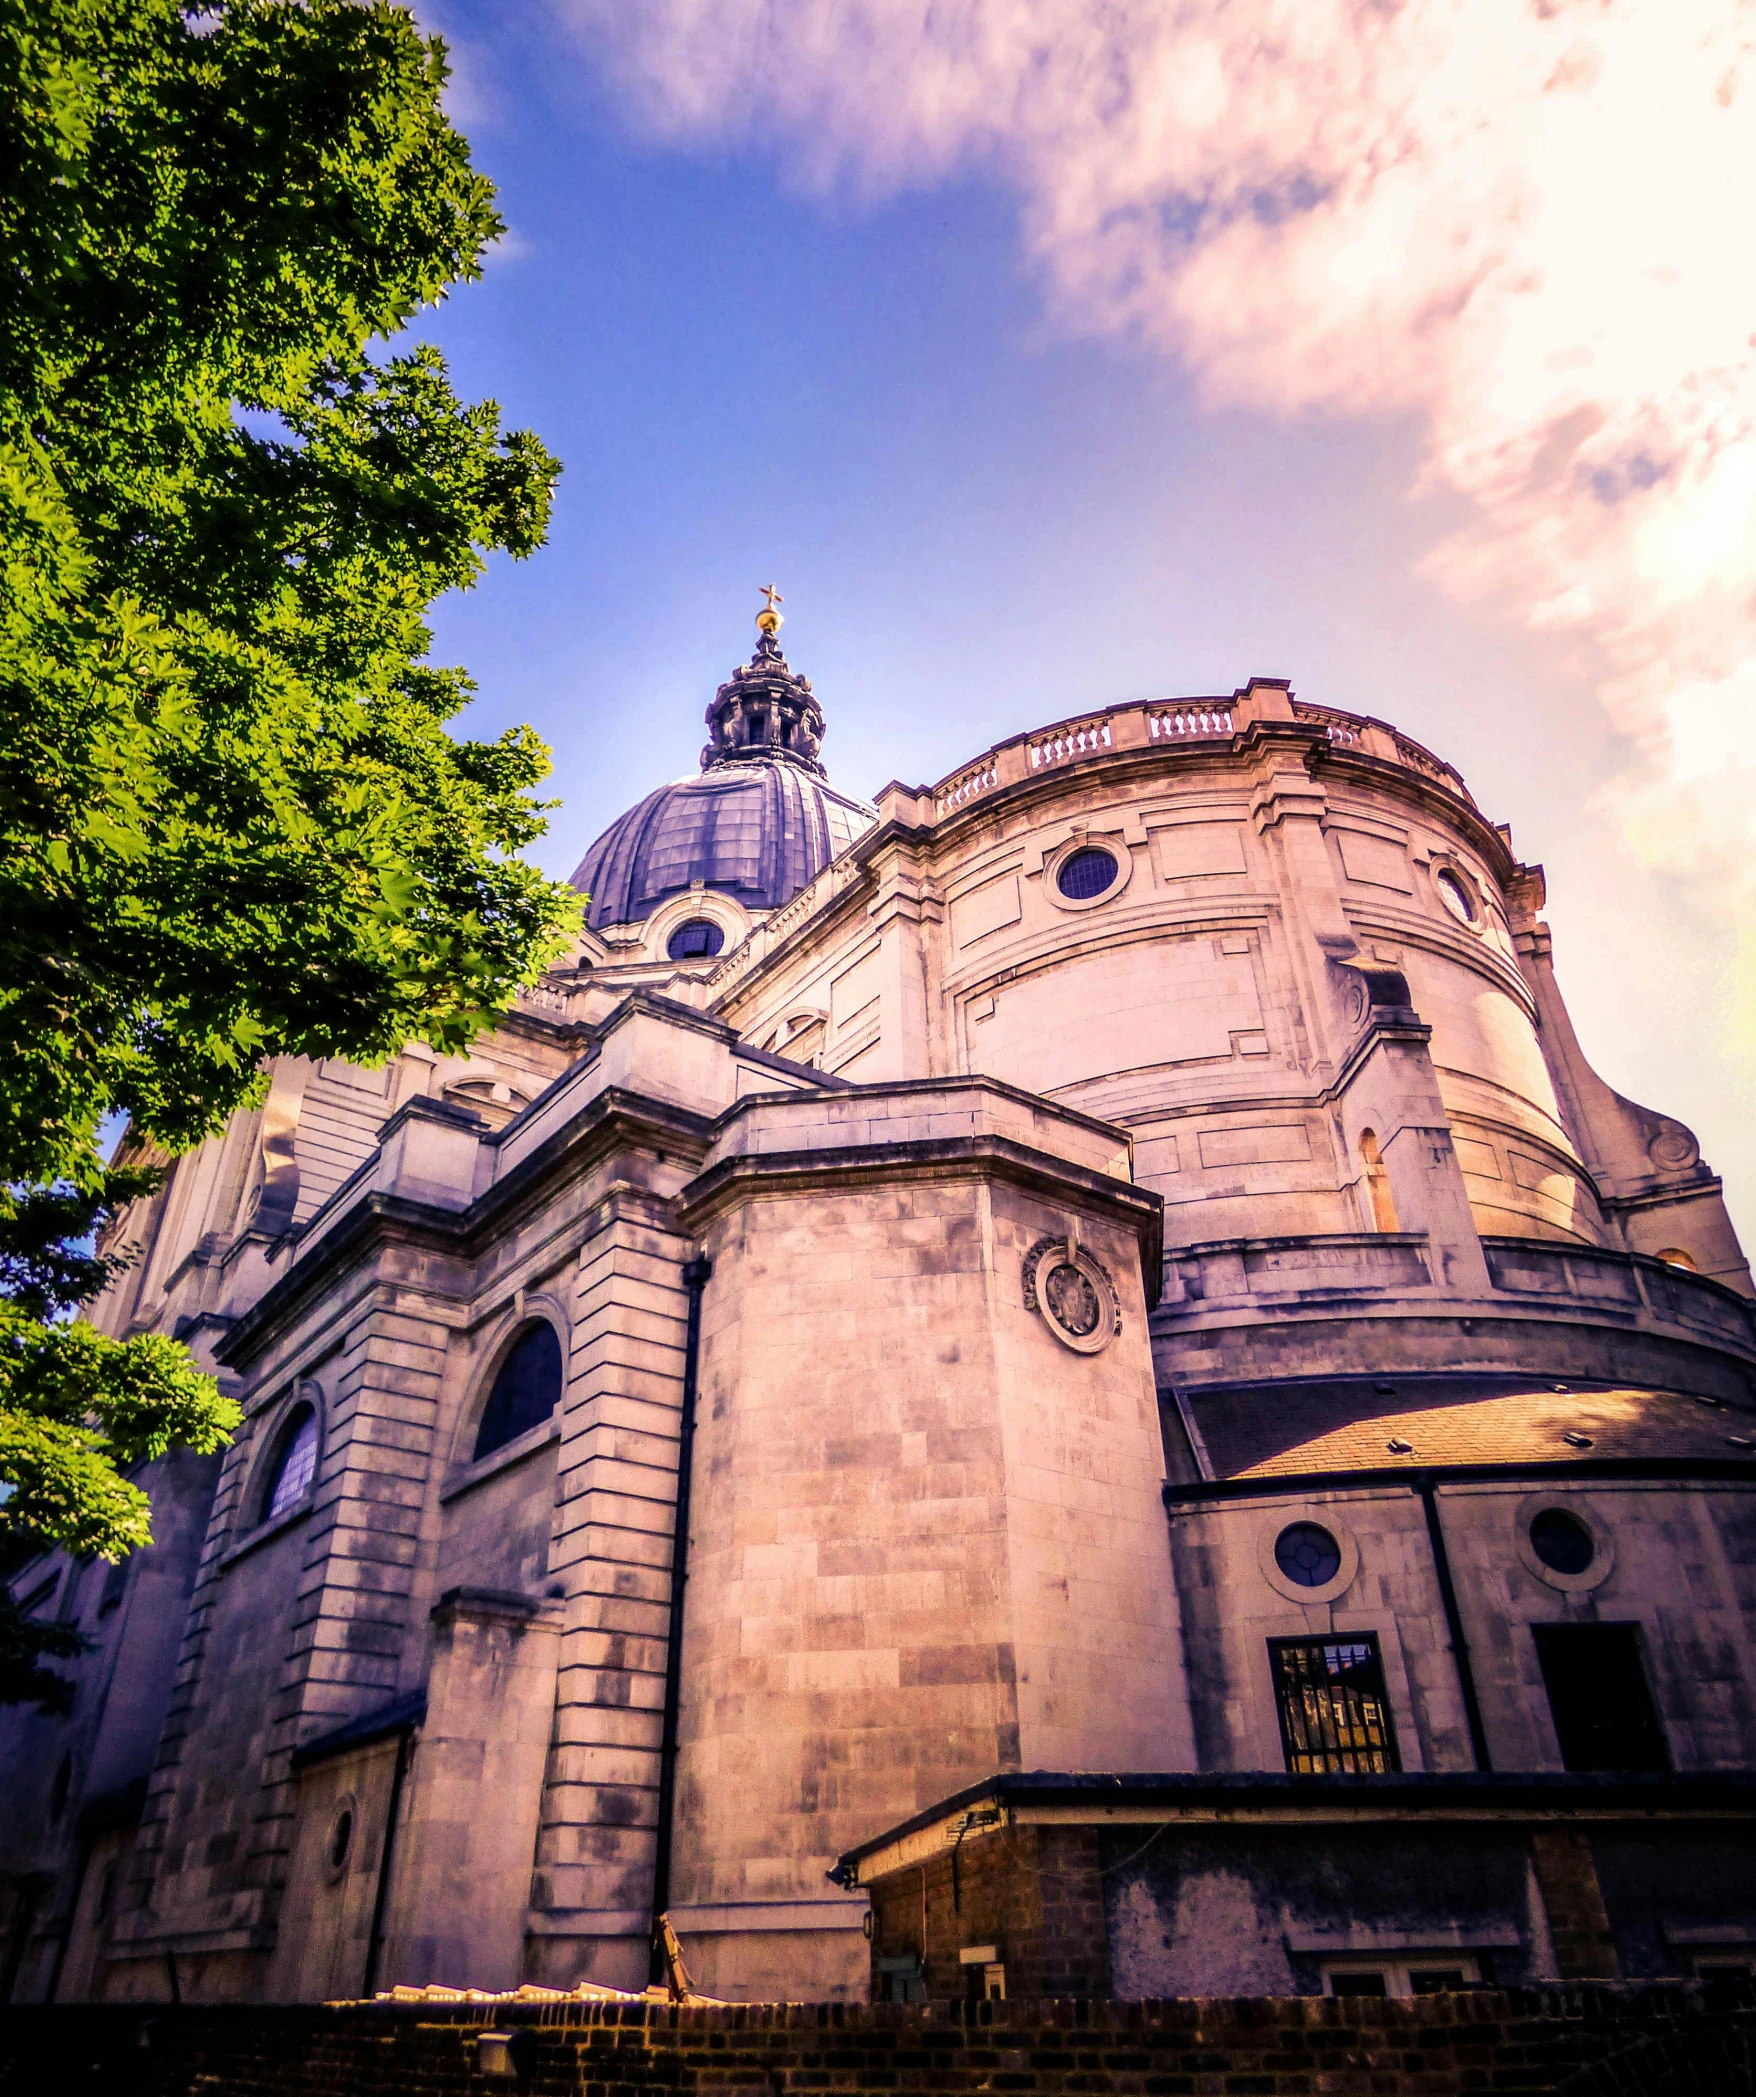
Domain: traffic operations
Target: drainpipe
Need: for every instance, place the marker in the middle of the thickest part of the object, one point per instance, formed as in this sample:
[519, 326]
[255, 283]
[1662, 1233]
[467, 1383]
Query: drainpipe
[695, 1276]
[381, 1896]
[1466, 1679]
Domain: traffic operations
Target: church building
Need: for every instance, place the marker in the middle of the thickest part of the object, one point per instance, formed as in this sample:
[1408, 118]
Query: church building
[1064, 1382]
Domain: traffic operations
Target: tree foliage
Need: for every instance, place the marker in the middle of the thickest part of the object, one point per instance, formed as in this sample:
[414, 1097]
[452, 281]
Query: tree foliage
[233, 824]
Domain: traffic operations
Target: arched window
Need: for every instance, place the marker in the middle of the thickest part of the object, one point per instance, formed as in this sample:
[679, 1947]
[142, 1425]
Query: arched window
[525, 1390]
[1377, 1183]
[294, 1464]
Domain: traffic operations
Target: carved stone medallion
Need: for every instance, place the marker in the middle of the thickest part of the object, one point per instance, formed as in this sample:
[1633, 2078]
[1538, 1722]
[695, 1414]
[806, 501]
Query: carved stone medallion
[1073, 1294]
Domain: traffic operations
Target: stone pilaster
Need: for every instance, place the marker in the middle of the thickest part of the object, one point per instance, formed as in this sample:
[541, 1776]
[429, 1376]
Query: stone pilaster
[610, 1563]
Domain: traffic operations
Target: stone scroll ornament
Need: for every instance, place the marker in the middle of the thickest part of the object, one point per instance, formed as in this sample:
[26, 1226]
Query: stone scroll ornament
[1072, 1293]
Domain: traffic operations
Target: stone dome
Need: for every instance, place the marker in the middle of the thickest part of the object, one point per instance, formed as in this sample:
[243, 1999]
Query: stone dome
[757, 822]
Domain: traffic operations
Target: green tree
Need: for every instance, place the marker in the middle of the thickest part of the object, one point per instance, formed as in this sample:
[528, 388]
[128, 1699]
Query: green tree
[233, 824]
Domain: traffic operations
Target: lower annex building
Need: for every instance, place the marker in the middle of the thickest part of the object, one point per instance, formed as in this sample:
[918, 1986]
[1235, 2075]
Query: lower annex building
[1219, 1456]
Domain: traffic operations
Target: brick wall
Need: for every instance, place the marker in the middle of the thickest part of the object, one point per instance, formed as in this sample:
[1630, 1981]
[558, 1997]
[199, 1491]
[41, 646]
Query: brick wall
[1585, 1948]
[1635, 2042]
[1034, 1893]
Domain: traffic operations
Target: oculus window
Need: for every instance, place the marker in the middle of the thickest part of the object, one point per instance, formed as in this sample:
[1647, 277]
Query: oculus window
[1334, 1715]
[696, 939]
[525, 1391]
[294, 1465]
[1598, 1695]
[1562, 1541]
[1086, 873]
[1456, 897]
[1308, 1554]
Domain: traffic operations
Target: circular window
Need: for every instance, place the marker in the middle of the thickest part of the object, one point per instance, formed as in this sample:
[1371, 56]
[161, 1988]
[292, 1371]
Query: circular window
[1307, 1554]
[1456, 897]
[1073, 1302]
[1086, 873]
[1562, 1541]
[696, 939]
[341, 1839]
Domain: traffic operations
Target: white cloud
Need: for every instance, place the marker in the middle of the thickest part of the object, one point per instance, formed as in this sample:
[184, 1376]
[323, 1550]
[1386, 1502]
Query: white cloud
[1524, 222]
[512, 246]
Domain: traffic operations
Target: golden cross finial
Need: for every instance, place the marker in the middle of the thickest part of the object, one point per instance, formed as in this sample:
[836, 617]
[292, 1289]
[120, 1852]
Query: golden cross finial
[768, 619]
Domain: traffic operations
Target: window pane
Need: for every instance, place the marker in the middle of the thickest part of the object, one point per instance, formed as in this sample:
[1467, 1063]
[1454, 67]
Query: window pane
[698, 938]
[1436, 1980]
[297, 1465]
[1603, 1710]
[1088, 873]
[1334, 1718]
[1357, 1984]
[525, 1390]
[1308, 1554]
[1562, 1541]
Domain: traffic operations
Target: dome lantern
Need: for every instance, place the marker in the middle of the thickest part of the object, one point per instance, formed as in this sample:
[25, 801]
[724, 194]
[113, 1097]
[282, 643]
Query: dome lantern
[763, 710]
[758, 821]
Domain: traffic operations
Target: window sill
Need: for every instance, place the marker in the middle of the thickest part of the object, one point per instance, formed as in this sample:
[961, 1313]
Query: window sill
[502, 1459]
[266, 1532]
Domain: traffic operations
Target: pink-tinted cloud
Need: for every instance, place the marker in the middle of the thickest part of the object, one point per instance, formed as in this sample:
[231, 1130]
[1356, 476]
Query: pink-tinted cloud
[1523, 223]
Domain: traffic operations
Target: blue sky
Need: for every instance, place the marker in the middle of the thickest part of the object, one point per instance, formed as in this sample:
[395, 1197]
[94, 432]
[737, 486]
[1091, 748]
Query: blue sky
[983, 515]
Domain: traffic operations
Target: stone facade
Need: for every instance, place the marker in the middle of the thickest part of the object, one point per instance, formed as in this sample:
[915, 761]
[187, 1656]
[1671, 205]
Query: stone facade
[1163, 1133]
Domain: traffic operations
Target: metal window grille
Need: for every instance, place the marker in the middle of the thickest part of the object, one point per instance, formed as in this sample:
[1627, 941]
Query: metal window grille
[1334, 1716]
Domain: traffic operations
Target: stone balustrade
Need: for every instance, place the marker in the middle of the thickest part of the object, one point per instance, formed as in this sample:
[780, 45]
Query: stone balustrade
[1178, 721]
[1062, 744]
[1185, 720]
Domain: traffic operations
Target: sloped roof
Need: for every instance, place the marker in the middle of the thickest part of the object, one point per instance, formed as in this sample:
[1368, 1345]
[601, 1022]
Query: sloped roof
[1358, 1424]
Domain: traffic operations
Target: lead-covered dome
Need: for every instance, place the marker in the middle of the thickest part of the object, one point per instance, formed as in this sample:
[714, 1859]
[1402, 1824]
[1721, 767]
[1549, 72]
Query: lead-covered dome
[758, 822]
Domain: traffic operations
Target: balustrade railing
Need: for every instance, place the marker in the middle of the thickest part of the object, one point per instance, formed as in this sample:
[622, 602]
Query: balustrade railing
[1423, 761]
[539, 997]
[1341, 729]
[966, 785]
[1185, 720]
[1059, 746]
[1164, 721]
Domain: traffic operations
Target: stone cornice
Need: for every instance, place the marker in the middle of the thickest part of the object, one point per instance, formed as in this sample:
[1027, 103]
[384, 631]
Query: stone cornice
[608, 1121]
[737, 1179]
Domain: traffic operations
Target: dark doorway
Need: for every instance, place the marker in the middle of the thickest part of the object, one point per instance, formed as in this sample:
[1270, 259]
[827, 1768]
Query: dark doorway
[1598, 1693]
